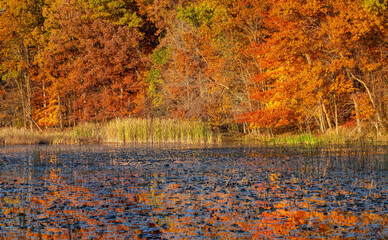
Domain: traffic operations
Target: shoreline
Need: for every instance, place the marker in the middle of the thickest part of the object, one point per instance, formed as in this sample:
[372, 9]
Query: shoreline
[16, 136]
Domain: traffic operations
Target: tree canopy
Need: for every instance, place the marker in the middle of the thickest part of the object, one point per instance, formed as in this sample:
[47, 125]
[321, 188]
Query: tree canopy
[287, 65]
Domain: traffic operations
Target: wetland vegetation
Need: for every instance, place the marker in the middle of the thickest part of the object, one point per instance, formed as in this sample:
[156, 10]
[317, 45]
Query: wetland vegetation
[129, 130]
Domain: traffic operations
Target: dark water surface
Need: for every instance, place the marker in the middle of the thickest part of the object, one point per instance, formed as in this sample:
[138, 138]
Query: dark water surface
[172, 192]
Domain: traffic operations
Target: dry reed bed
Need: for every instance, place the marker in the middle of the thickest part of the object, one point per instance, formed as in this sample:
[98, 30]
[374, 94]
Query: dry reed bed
[129, 130]
[157, 130]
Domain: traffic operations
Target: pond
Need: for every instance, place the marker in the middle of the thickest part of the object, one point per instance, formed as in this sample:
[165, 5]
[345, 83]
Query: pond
[183, 192]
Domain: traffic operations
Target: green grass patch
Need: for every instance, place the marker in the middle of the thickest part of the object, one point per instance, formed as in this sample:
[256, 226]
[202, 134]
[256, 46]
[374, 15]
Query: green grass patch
[316, 140]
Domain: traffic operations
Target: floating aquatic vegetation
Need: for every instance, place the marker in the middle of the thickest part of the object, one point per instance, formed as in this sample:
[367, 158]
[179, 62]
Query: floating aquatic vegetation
[159, 192]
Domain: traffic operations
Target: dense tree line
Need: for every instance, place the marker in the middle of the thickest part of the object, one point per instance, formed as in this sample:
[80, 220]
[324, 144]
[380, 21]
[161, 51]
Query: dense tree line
[268, 65]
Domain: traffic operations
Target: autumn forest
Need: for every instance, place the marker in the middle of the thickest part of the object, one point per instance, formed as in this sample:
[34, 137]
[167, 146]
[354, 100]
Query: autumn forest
[278, 66]
[183, 119]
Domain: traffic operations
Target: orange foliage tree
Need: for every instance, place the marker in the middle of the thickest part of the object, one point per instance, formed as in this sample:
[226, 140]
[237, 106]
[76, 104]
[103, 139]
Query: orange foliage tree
[20, 22]
[318, 53]
[202, 68]
[90, 66]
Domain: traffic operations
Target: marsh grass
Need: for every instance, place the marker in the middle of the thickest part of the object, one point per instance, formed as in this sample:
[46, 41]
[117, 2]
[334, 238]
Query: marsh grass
[320, 155]
[358, 156]
[320, 140]
[156, 130]
[20, 136]
[130, 130]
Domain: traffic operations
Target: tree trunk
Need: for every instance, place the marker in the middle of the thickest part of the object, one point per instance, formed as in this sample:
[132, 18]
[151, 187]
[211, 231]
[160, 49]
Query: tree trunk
[379, 121]
[19, 84]
[336, 114]
[321, 118]
[359, 130]
[28, 100]
[327, 115]
[60, 112]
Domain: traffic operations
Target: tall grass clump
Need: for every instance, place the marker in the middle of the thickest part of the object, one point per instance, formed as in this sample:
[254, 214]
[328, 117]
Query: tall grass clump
[87, 133]
[11, 136]
[22, 136]
[306, 139]
[330, 137]
[156, 130]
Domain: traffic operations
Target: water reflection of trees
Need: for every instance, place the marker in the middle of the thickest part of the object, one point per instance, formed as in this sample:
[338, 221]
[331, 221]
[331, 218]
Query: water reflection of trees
[60, 201]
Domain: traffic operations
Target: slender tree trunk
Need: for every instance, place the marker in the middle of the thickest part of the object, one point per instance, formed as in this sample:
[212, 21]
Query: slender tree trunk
[379, 121]
[73, 107]
[68, 112]
[60, 112]
[44, 101]
[23, 50]
[336, 114]
[359, 130]
[24, 89]
[28, 100]
[19, 84]
[321, 118]
[327, 116]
